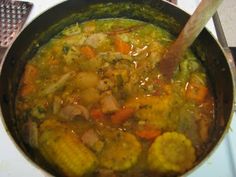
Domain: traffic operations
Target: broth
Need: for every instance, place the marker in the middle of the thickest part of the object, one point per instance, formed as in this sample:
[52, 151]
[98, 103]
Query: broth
[93, 102]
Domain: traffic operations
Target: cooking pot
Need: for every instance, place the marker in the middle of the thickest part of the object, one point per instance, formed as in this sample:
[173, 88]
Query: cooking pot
[221, 70]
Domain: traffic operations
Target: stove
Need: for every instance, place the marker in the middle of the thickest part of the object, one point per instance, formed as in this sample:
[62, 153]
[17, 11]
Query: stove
[222, 162]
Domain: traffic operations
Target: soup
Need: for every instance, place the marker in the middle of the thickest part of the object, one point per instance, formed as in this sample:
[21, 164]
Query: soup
[92, 102]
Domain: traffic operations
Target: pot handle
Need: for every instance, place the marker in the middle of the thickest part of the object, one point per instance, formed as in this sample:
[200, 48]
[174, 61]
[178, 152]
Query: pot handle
[232, 66]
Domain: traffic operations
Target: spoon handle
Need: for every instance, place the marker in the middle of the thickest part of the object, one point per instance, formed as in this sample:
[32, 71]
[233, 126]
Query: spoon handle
[189, 33]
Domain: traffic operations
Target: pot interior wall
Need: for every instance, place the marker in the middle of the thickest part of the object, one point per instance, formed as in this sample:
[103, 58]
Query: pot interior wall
[152, 11]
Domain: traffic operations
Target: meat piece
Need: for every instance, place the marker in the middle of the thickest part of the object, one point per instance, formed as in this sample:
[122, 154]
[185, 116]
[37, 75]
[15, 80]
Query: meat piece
[105, 84]
[30, 133]
[96, 40]
[69, 112]
[109, 104]
[91, 139]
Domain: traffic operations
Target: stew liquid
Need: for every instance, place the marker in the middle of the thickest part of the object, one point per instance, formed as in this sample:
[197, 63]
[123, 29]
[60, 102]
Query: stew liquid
[93, 102]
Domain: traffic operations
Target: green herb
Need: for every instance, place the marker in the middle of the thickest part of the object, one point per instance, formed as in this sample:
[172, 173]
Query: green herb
[65, 49]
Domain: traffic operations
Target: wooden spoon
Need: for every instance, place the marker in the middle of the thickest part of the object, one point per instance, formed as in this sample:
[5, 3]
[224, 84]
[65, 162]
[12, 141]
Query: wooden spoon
[189, 33]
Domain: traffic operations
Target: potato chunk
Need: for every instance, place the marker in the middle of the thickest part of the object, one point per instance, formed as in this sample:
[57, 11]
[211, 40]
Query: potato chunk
[89, 96]
[85, 80]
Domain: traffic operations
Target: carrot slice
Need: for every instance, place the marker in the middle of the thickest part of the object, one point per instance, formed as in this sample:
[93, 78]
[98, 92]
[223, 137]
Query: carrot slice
[148, 134]
[121, 46]
[122, 115]
[29, 74]
[27, 89]
[88, 52]
[196, 92]
[97, 114]
[28, 80]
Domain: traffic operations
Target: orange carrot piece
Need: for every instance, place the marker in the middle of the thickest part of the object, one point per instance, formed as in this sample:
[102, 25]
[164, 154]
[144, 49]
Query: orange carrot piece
[28, 79]
[122, 115]
[97, 114]
[196, 92]
[148, 134]
[29, 74]
[122, 46]
[27, 90]
[88, 52]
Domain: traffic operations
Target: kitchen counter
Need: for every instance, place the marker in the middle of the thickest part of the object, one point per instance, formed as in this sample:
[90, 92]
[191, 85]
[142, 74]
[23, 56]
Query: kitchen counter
[220, 164]
[227, 15]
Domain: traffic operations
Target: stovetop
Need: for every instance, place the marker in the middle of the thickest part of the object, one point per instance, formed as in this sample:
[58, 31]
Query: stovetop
[222, 162]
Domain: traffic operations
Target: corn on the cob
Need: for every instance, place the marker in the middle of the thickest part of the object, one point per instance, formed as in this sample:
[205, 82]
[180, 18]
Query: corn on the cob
[120, 152]
[62, 148]
[153, 110]
[171, 152]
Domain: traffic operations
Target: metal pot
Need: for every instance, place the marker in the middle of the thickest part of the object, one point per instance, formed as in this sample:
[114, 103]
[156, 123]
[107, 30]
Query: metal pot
[221, 71]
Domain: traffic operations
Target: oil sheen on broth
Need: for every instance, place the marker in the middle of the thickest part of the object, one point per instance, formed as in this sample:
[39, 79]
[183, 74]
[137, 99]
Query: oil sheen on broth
[93, 103]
